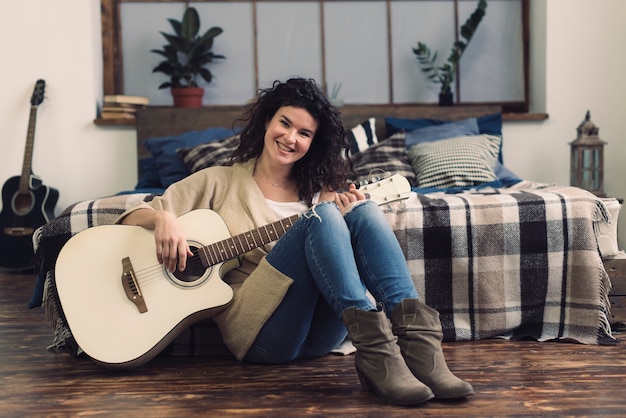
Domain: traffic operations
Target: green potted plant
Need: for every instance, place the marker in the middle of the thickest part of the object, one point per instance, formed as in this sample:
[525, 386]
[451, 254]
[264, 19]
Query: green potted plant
[445, 73]
[186, 57]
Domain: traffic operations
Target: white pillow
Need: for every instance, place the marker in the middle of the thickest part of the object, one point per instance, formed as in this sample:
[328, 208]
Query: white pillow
[362, 136]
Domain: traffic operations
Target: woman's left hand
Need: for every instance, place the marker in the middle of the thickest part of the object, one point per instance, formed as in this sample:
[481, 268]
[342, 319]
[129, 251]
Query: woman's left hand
[345, 199]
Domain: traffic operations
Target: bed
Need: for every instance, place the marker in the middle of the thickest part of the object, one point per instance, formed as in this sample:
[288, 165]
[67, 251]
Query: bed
[498, 256]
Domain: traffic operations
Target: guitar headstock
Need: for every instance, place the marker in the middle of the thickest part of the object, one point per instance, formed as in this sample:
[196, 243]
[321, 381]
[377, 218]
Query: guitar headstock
[389, 189]
[38, 92]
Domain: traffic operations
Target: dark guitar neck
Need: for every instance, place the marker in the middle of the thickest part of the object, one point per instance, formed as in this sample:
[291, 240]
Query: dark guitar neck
[28, 152]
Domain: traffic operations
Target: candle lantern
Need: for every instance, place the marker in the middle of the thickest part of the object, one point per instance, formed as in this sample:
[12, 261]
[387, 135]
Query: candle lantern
[587, 158]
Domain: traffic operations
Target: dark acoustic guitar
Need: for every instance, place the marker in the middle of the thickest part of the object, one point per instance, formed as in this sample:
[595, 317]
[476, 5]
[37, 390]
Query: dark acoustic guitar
[27, 203]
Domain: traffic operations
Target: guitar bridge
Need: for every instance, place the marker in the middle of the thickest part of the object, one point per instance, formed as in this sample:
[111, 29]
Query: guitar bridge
[131, 286]
[19, 231]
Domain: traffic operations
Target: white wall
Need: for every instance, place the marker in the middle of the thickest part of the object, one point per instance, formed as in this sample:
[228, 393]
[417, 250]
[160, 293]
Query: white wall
[59, 41]
[583, 71]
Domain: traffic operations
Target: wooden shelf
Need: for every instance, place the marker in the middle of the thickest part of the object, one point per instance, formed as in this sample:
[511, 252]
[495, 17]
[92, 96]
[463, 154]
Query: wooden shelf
[114, 122]
[509, 117]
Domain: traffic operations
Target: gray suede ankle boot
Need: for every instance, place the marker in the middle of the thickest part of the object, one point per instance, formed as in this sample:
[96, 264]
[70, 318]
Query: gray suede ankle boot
[419, 333]
[378, 361]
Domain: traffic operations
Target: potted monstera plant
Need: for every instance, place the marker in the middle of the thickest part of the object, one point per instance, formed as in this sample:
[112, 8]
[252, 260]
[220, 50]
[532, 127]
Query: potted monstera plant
[187, 54]
[444, 74]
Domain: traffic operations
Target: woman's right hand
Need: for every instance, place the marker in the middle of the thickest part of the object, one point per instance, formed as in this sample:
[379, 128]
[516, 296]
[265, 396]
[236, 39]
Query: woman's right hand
[172, 249]
[171, 244]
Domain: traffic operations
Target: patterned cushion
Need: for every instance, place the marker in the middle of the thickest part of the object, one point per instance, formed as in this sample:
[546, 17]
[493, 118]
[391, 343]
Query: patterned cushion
[210, 154]
[362, 136]
[387, 155]
[455, 162]
[163, 149]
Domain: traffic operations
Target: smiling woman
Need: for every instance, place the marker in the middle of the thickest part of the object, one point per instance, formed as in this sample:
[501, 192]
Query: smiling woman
[287, 139]
[299, 297]
[333, 40]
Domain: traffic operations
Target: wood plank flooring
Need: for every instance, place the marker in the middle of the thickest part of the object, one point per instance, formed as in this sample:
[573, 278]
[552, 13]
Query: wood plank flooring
[510, 378]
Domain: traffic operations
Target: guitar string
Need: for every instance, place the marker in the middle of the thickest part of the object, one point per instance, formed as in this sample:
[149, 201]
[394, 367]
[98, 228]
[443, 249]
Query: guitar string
[148, 274]
[155, 272]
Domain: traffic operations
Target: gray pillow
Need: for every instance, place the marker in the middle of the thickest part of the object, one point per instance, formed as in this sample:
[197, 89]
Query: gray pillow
[455, 162]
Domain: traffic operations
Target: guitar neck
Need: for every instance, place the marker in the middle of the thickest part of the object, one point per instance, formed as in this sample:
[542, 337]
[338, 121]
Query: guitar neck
[239, 244]
[28, 152]
[381, 192]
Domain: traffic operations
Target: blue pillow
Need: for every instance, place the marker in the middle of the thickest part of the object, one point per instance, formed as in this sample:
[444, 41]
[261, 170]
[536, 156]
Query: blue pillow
[488, 124]
[170, 166]
[465, 127]
[149, 174]
[497, 184]
[505, 175]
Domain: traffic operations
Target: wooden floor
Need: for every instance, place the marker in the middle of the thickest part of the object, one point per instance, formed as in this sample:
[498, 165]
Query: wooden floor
[510, 379]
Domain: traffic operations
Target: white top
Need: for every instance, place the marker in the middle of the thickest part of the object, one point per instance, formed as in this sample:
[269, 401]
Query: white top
[286, 209]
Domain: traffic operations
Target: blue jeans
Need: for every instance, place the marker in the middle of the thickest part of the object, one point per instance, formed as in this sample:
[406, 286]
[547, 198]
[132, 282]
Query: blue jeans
[333, 259]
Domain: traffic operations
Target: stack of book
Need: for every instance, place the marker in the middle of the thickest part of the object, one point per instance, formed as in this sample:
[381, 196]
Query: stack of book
[122, 107]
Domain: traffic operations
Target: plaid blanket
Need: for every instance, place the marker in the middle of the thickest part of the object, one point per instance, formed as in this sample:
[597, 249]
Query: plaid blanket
[515, 262]
[52, 236]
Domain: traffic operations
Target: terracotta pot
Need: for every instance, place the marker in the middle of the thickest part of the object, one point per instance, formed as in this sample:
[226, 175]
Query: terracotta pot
[187, 96]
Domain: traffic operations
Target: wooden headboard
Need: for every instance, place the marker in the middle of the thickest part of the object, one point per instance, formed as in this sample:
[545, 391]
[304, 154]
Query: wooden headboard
[158, 121]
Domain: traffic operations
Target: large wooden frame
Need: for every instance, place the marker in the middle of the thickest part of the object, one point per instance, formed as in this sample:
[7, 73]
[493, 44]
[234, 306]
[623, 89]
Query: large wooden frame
[113, 82]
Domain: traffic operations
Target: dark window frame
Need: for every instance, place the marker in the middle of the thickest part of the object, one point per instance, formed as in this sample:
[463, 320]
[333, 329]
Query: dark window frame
[112, 54]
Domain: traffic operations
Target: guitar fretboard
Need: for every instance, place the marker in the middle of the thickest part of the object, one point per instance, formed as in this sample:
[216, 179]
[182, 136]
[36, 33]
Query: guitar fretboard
[28, 152]
[384, 191]
[239, 244]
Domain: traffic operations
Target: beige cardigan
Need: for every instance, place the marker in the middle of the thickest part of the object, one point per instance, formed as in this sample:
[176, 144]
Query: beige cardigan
[258, 287]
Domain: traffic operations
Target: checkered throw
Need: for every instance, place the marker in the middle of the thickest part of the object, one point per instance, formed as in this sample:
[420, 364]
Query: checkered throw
[50, 238]
[509, 262]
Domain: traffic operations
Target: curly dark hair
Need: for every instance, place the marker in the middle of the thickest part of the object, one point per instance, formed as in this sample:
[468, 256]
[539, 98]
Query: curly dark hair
[323, 165]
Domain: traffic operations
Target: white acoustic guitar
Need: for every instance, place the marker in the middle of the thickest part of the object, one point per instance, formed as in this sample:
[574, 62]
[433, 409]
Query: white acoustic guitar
[123, 307]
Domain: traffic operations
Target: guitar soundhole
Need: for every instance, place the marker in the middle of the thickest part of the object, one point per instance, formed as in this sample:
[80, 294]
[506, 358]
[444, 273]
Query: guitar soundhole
[195, 273]
[22, 203]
